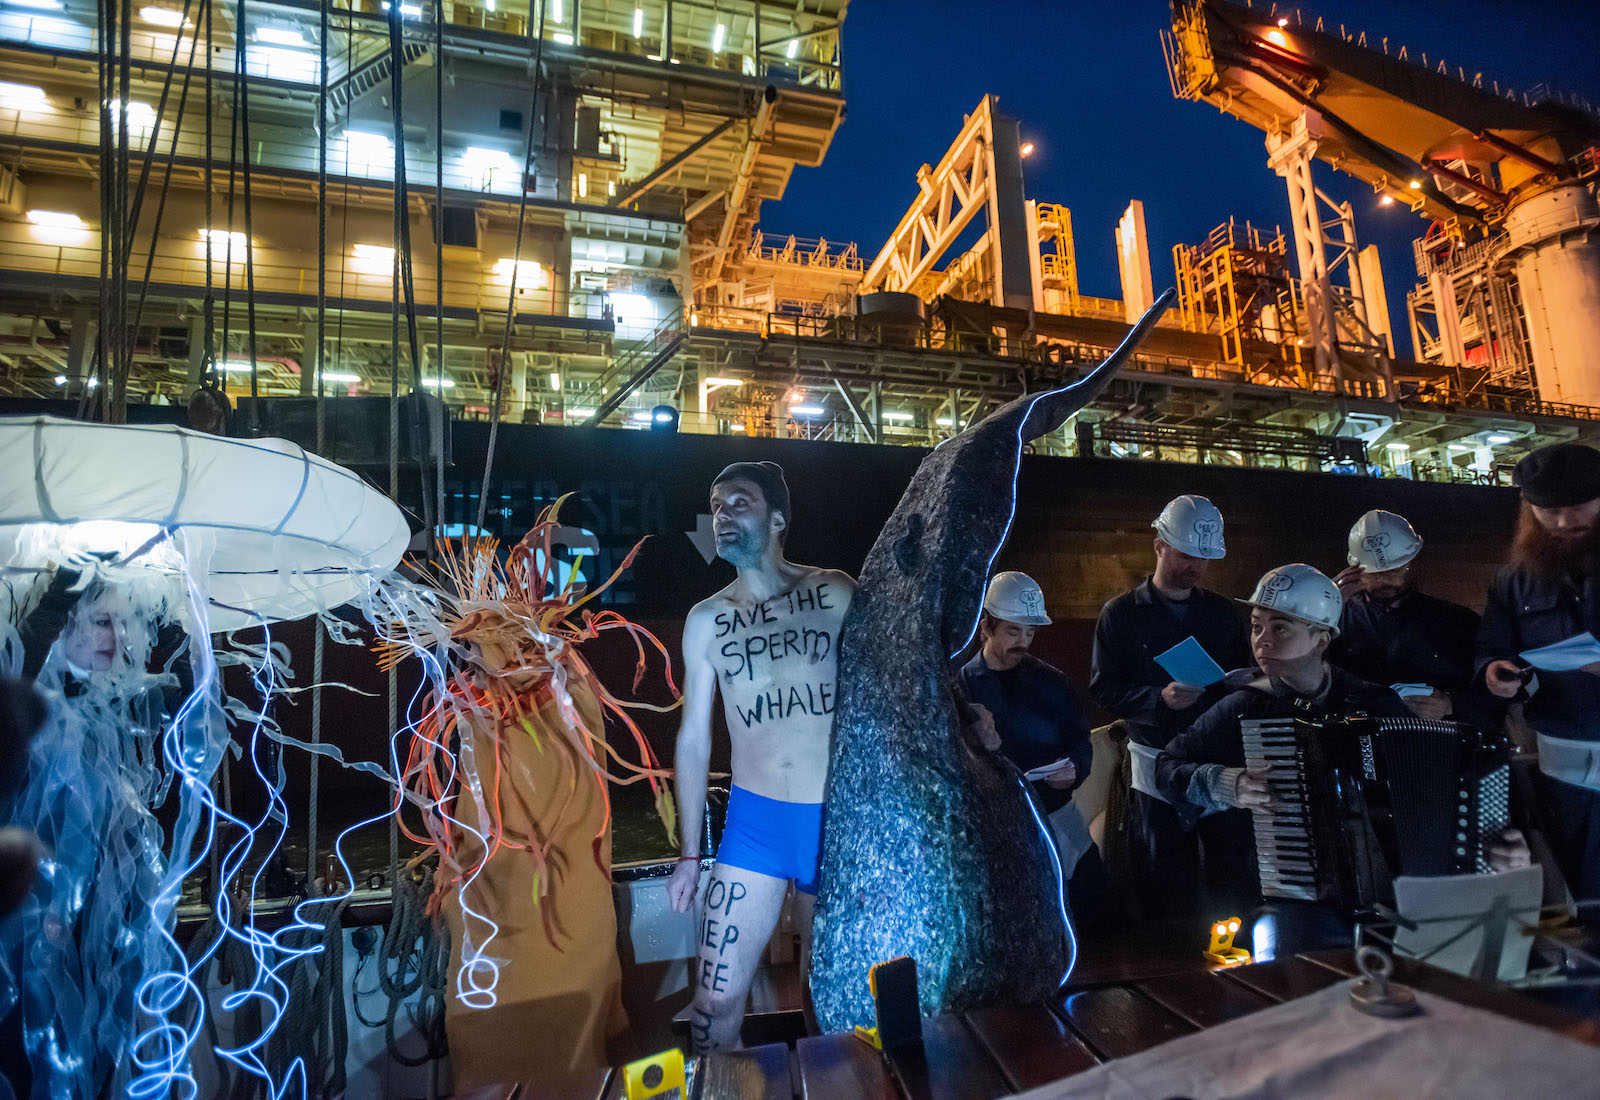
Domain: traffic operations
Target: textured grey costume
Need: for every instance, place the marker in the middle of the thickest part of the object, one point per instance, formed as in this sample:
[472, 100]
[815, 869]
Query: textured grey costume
[932, 848]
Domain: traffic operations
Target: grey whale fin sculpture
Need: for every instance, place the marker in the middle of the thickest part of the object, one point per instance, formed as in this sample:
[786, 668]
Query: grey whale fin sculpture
[933, 849]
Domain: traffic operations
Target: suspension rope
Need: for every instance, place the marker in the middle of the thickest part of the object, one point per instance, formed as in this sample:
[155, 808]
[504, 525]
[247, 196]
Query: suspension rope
[438, 266]
[516, 262]
[315, 366]
[400, 214]
[172, 155]
[243, 108]
[402, 193]
[208, 306]
[227, 250]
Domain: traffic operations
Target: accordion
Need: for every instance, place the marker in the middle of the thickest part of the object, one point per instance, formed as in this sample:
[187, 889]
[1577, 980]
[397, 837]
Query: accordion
[1360, 800]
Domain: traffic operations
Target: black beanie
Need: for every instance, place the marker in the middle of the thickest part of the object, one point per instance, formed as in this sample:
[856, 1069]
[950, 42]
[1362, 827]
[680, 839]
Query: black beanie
[1559, 476]
[768, 476]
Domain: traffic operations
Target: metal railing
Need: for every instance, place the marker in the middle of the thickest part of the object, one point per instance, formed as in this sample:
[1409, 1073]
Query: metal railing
[741, 37]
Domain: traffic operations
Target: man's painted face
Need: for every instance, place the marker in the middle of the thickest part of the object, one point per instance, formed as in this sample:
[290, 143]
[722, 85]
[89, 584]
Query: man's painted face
[92, 643]
[1279, 641]
[742, 522]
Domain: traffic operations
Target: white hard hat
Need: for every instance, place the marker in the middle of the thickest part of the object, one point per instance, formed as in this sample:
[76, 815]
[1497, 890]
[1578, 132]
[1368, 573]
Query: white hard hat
[1302, 592]
[1192, 525]
[1016, 598]
[1381, 541]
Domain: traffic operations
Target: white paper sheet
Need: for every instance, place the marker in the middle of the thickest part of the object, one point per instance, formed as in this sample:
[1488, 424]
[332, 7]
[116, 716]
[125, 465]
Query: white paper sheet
[1468, 897]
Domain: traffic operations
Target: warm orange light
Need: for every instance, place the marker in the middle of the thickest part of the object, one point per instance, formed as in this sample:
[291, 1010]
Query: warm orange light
[1283, 21]
[1387, 200]
[1278, 38]
[1027, 148]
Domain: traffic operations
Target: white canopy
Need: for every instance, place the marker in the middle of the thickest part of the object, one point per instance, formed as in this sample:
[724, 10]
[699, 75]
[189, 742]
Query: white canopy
[288, 533]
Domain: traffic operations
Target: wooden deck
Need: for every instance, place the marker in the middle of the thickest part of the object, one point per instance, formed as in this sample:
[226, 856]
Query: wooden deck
[1006, 1049]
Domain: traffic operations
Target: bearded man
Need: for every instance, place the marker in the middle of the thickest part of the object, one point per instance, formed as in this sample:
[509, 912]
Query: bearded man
[768, 644]
[1548, 592]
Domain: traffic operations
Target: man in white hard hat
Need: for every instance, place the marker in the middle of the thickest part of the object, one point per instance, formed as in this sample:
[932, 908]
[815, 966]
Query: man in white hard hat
[1547, 593]
[1033, 717]
[1161, 611]
[1392, 633]
[1294, 618]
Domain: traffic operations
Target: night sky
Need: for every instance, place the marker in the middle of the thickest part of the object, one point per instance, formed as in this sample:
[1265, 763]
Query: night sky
[1089, 85]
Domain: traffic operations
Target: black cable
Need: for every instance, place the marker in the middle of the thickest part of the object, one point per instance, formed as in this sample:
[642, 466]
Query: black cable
[166, 181]
[227, 252]
[148, 160]
[107, 16]
[516, 261]
[438, 268]
[402, 198]
[114, 390]
[208, 307]
[344, 195]
[249, 236]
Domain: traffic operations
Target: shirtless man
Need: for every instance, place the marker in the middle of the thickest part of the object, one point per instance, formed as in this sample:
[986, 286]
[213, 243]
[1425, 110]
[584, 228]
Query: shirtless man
[767, 643]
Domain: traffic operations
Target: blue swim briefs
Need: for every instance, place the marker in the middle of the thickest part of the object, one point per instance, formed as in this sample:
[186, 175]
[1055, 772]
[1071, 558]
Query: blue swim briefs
[770, 837]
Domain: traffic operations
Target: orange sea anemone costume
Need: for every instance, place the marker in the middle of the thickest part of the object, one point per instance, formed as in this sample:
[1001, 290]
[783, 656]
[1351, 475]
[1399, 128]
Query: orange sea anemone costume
[509, 765]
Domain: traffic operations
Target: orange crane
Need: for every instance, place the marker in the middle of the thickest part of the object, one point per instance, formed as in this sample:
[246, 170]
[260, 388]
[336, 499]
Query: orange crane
[1509, 178]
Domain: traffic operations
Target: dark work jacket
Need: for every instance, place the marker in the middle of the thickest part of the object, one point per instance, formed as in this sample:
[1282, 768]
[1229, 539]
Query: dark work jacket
[1524, 612]
[1039, 719]
[1215, 737]
[1133, 630]
[1419, 640]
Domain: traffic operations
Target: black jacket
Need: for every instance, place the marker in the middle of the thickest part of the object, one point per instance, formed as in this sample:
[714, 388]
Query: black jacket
[1037, 715]
[1525, 611]
[1215, 737]
[1133, 630]
[1421, 639]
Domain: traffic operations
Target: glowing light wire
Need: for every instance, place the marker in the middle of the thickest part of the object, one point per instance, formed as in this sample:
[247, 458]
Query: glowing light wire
[1111, 363]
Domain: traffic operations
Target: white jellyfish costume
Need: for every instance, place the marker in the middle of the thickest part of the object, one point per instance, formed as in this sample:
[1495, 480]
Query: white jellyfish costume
[176, 529]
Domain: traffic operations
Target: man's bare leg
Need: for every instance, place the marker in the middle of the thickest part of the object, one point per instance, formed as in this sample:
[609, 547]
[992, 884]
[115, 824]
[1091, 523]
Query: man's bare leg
[740, 911]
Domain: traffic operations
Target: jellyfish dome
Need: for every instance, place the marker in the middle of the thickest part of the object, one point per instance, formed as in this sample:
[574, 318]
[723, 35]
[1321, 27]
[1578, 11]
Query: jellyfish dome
[140, 531]
[269, 531]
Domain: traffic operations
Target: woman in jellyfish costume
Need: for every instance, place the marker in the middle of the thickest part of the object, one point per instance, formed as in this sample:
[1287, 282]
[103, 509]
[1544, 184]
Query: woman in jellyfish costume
[103, 645]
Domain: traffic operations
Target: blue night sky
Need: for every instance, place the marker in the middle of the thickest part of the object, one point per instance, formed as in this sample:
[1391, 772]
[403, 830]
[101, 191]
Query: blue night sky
[1089, 85]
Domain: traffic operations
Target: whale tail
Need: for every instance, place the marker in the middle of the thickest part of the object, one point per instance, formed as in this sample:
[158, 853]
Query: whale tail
[1050, 411]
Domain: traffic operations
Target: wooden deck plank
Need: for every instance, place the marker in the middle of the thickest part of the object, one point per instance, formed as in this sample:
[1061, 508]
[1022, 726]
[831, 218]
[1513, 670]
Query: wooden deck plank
[755, 1073]
[1282, 979]
[1203, 997]
[836, 1066]
[1029, 1044]
[1116, 1021]
[951, 1065]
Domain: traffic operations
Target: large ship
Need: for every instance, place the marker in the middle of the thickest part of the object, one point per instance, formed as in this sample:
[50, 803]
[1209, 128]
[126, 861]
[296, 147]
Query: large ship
[498, 216]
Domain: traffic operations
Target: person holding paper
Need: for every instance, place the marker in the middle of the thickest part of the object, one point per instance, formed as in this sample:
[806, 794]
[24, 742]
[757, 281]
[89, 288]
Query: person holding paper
[1392, 633]
[1294, 618]
[1548, 593]
[1142, 636]
[1028, 712]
